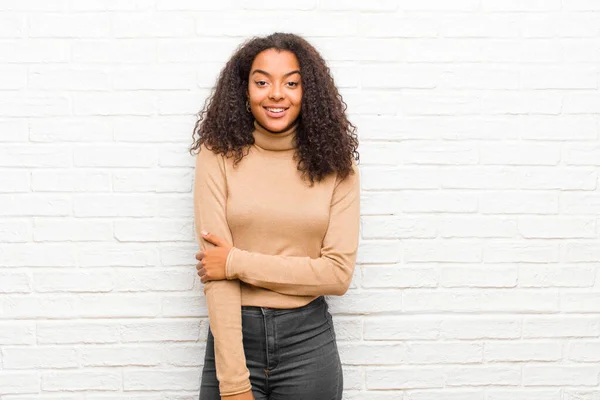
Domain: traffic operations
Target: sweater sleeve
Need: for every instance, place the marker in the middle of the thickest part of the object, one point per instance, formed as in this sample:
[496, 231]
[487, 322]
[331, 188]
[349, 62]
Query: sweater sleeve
[223, 298]
[331, 273]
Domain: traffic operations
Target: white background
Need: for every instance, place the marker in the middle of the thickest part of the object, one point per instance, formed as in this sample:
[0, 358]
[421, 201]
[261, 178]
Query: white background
[479, 256]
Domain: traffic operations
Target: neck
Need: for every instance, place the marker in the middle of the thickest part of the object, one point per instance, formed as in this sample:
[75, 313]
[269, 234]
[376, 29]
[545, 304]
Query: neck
[268, 140]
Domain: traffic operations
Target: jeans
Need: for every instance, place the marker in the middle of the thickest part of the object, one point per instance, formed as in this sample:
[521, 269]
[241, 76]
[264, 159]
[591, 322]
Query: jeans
[291, 354]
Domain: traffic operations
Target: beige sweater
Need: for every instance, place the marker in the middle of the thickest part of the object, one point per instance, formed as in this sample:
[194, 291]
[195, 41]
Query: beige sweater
[292, 242]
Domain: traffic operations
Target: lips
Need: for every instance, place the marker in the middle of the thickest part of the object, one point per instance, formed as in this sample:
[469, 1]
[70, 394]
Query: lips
[275, 112]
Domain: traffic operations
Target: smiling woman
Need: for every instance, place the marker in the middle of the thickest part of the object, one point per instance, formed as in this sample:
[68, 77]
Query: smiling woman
[276, 202]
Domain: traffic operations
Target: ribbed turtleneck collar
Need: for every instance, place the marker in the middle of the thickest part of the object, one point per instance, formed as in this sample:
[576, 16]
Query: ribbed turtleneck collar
[274, 141]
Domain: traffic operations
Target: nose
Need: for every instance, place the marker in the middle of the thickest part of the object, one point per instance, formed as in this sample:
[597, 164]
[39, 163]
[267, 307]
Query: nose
[275, 93]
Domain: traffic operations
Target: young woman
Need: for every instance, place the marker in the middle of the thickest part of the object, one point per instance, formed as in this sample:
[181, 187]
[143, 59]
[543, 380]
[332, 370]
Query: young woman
[276, 198]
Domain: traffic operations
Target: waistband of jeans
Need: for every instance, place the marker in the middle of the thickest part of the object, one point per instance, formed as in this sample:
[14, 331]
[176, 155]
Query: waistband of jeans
[318, 302]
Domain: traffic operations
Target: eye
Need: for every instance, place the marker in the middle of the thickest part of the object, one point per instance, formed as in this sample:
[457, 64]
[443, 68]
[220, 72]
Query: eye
[261, 83]
[292, 84]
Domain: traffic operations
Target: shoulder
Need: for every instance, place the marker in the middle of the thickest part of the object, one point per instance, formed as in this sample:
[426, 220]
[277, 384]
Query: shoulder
[208, 158]
[353, 177]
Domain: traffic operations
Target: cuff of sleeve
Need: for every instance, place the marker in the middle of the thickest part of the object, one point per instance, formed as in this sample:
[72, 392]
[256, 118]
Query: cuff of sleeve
[229, 270]
[237, 390]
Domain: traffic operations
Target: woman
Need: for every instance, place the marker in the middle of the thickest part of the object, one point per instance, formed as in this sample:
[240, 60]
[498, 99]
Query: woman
[276, 199]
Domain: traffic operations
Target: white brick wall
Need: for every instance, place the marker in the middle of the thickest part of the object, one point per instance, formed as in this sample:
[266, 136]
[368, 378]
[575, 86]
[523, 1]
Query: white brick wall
[479, 120]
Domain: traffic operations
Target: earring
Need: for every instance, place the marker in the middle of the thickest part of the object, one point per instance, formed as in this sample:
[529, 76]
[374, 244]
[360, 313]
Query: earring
[247, 106]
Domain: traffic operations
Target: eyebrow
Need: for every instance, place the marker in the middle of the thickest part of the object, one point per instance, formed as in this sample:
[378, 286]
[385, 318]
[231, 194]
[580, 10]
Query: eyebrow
[260, 71]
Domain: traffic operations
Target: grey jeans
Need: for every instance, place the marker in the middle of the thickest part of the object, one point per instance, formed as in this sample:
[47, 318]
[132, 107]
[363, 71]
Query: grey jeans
[291, 354]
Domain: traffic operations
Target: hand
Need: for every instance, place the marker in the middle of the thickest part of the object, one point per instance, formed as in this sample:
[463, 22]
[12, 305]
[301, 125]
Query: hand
[213, 261]
[242, 396]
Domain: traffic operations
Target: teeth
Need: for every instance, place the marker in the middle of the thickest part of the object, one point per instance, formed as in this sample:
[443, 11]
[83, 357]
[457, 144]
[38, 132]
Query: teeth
[276, 110]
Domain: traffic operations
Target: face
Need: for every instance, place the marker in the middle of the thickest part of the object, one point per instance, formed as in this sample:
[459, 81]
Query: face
[275, 89]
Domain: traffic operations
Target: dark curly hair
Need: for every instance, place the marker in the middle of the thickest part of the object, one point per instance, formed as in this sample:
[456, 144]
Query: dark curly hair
[326, 142]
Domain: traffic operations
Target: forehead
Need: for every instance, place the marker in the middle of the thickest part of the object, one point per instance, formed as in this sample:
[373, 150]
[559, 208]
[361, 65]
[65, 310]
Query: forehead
[275, 61]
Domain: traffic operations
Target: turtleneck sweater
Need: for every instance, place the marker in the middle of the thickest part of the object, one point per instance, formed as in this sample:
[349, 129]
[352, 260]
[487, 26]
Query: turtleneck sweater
[292, 242]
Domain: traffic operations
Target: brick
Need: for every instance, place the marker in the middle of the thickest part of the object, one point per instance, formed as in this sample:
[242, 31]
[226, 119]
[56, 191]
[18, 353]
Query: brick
[142, 280]
[404, 378]
[42, 156]
[15, 231]
[49, 77]
[153, 129]
[491, 300]
[483, 375]
[82, 380]
[520, 251]
[158, 180]
[373, 353]
[443, 251]
[438, 201]
[14, 130]
[447, 394]
[401, 328]
[12, 77]
[506, 351]
[519, 202]
[117, 356]
[70, 181]
[128, 51]
[516, 5]
[34, 51]
[116, 255]
[154, 230]
[40, 358]
[115, 156]
[12, 26]
[66, 332]
[482, 327]
[113, 103]
[490, 276]
[380, 178]
[393, 26]
[560, 127]
[14, 282]
[380, 203]
[31, 104]
[560, 375]
[19, 382]
[38, 255]
[161, 379]
[584, 351]
[389, 227]
[444, 353]
[560, 326]
[164, 330]
[519, 154]
[71, 25]
[580, 302]
[373, 252]
[51, 230]
[573, 275]
[523, 394]
[73, 281]
[17, 333]
[477, 226]
[399, 276]
[551, 227]
[139, 25]
[438, 153]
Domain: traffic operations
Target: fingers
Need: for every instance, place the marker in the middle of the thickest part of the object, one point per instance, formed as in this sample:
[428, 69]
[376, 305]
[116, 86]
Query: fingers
[199, 255]
[214, 239]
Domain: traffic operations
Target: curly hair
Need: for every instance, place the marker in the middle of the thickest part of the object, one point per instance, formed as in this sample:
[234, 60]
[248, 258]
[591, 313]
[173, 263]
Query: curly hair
[326, 141]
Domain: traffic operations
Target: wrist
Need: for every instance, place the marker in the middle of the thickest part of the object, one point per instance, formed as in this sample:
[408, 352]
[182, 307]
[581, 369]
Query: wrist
[229, 272]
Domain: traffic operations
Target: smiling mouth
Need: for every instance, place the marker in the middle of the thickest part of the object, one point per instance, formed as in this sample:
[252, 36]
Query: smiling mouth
[275, 109]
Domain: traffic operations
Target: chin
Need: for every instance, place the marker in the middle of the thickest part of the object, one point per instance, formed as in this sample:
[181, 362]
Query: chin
[278, 127]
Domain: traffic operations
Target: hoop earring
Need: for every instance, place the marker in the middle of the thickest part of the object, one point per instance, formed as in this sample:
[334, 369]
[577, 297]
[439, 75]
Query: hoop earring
[247, 106]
